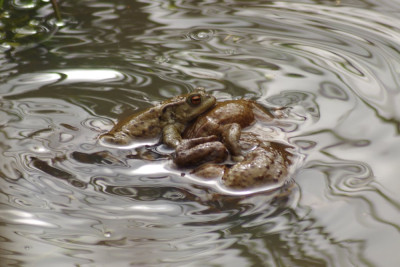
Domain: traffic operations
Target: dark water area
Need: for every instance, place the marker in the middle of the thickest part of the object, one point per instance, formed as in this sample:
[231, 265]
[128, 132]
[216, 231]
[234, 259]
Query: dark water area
[335, 66]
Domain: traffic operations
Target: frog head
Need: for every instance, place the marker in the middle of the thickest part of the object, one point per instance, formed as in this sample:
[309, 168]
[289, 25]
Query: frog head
[187, 107]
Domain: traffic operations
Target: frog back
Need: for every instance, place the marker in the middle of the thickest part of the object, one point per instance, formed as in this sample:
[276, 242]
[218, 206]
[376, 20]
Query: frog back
[143, 124]
[227, 112]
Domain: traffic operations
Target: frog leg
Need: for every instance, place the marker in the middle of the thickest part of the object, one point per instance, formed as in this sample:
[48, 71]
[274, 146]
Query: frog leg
[230, 136]
[190, 143]
[199, 150]
[172, 135]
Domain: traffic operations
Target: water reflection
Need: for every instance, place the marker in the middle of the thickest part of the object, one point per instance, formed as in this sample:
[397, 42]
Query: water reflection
[24, 24]
[330, 71]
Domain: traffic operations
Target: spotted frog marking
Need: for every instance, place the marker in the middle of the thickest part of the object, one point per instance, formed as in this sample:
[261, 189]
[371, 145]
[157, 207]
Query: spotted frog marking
[257, 158]
[169, 118]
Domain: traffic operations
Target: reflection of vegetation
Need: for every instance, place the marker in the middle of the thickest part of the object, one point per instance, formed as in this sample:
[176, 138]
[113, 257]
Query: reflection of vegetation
[25, 21]
[56, 9]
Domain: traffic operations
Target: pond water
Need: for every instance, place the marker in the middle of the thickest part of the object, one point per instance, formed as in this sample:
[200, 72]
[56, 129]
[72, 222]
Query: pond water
[334, 65]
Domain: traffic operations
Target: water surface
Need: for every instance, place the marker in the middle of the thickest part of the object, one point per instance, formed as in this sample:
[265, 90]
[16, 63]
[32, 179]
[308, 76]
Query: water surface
[334, 67]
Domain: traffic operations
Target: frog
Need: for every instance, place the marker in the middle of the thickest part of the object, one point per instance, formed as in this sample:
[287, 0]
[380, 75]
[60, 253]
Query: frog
[257, 159]
[168, 119]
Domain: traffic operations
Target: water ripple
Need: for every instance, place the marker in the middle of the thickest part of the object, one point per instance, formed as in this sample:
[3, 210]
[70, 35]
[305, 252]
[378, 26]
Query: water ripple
[201, 35]
[329, 72]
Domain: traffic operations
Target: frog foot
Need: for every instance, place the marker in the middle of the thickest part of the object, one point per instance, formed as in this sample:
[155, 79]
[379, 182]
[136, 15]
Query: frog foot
[199, 150]
[119, 138]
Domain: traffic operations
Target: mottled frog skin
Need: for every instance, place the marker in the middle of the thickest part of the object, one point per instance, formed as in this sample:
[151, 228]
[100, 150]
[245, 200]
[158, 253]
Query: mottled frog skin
[226, 121]
[203, 131]
[169, 118]
[259, 161]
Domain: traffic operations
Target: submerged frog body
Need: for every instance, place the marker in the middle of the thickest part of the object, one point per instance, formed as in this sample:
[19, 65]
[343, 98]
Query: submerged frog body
[258, 160]
[169, 118]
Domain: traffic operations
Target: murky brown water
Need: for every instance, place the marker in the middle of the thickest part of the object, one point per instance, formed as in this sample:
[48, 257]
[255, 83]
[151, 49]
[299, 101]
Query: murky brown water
[336, 67]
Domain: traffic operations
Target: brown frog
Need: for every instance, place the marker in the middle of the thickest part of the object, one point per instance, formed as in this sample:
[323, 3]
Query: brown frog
[169, 119]
[257, 161]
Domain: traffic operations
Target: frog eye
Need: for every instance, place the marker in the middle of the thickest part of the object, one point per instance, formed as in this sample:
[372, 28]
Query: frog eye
[195, 100]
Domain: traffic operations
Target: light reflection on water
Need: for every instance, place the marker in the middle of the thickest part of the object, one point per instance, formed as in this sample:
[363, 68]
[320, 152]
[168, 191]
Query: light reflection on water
[335, 68]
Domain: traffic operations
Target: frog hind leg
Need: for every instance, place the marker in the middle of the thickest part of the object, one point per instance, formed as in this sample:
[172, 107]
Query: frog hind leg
[195, 151]
[230, 136]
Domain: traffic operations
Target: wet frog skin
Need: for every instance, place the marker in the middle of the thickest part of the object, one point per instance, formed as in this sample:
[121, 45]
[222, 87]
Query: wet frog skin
[214, 133]
[226, 121]
[169, 118]
[258, 161]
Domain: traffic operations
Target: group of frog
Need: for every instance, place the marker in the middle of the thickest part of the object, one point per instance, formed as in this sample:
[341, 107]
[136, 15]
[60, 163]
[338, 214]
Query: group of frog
[217, 139]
